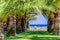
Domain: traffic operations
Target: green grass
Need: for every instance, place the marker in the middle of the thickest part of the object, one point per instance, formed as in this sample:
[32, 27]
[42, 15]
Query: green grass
[34, 35]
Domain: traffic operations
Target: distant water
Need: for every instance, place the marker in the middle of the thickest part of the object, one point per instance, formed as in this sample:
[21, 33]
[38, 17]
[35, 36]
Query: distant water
[38, 25]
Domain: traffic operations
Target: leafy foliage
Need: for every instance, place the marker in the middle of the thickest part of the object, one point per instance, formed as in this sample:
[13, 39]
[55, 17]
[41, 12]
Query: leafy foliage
[20, 7]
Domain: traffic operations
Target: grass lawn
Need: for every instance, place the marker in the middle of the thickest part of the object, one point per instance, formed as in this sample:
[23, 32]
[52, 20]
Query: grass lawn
[34, 35]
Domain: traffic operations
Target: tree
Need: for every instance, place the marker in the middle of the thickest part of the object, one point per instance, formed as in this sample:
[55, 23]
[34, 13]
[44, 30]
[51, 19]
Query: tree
[54, 19]
[23, 8]
[50, 15]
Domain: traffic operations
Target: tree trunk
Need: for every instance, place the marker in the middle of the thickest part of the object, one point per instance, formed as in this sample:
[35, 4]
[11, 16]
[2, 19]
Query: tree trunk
[23, 24]
[51, 20]
[1, 32]
[50, 25]
[11, 26]
[27, 25]
[18, 23]
[57, 23]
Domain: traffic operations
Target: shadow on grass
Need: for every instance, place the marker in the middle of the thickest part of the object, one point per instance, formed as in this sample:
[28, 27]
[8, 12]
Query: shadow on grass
[34, 36]
[37, 32]
[44, 38]
[15, 37]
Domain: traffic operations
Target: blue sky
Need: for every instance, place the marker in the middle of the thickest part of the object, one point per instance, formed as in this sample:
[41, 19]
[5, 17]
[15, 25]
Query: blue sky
[41, 20]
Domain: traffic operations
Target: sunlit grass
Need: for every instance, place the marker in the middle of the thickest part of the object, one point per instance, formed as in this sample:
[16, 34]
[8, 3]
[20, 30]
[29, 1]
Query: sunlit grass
[34, 35]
